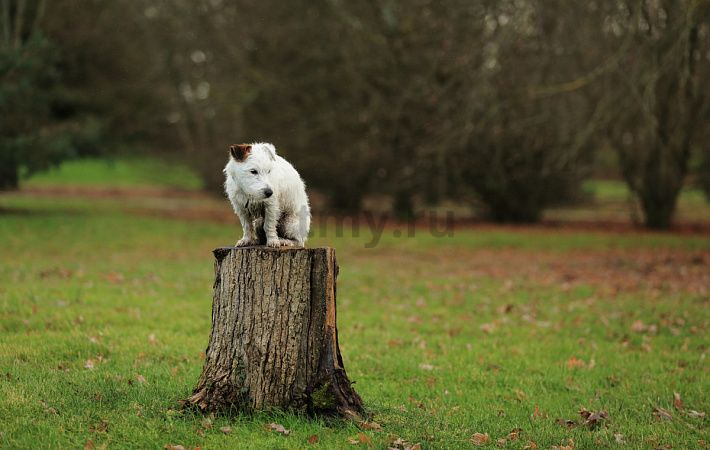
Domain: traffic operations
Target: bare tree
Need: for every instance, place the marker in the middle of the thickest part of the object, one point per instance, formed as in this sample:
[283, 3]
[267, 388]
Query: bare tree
[660, 97]
[523, 129]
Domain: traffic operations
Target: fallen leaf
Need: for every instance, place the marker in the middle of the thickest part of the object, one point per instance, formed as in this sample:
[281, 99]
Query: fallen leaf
[371, 426]
[353, 441]
[140, 379]
[574, 362]
[531, 445]
[152, 339]
[312, 439]
[89, 445]
[480, 439]
[677, 402]
[638, 326]
[227, 430]
[398, 443]
[173, 447]
[695, 414]
[619, 438]
[662, 414]
[417, 403]
[426, 367]
[593, 419]
[566, 423]
[207, 423]
[89, 364]
[100, 427]
[401, 444]
[114, 277]
[487, 328]
[279, 429]
[363, 438]
[501, 442]
[536, 412]
[515, 434]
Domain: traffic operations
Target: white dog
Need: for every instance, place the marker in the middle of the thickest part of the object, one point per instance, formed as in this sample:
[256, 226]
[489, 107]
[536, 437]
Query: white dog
[268, 195]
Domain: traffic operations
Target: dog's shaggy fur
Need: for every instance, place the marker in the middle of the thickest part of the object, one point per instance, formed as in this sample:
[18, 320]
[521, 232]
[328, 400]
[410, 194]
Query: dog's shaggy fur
[268, 195]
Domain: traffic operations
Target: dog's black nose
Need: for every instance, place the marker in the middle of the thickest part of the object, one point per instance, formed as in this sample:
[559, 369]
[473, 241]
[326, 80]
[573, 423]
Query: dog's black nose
[268, 192]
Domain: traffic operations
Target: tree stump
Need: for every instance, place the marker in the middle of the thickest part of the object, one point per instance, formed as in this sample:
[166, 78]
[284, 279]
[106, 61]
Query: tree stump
[274, 340]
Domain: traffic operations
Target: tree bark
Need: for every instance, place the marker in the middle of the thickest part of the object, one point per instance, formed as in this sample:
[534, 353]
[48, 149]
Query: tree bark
[274, 340]
[9, 177]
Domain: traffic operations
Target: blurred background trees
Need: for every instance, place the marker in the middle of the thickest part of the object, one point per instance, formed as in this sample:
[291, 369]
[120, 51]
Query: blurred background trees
[500, 103]
[660, 88]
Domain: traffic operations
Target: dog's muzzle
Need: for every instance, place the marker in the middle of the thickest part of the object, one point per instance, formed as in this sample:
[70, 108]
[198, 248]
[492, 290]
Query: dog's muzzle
[268, 192]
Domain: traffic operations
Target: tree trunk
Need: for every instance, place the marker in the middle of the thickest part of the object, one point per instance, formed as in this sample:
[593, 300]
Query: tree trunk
[274, 341]
[9, 178]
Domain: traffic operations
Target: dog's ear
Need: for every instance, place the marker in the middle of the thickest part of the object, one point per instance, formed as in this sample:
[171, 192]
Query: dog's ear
[239, 151]
[272, 151]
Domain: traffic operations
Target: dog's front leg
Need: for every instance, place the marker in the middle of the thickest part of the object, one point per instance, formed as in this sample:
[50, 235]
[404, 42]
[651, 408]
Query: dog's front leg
[271, 218]
[249, 237]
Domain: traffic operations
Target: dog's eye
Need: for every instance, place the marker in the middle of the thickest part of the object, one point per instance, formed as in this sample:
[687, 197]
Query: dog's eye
[254, 172]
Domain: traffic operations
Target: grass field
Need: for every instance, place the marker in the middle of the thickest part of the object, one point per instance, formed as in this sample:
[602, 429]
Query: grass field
[504, 332]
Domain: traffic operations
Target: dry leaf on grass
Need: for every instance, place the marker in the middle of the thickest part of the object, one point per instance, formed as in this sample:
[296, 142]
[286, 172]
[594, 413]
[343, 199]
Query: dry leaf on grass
[401, 444]
[593, 419]
[363, 438]
[114, 277]
[515, 434]
[312, 439]
[100, 427]
[225, 430]
[662, 414]
[695, 414]
[370, 426]
[566, 423]
[677, 402]
[480, 439]
[531, 445]
[173, 447]
[89, 445]
[141, 379]
[278, 428]
[573, 362]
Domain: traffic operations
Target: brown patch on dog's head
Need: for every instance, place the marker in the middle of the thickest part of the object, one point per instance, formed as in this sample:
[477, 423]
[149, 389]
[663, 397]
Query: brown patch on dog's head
[239, 151]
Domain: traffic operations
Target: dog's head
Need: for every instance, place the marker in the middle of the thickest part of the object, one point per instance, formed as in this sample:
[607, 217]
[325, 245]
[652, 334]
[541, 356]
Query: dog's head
[250, 167]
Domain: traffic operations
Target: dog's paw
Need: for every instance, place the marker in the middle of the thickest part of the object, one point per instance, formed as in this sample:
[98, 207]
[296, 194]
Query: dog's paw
[244, 242]
[288, 243]
[273, 243]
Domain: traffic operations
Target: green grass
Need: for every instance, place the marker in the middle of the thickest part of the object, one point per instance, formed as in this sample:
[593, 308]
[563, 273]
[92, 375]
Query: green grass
[617, 190]
[96, 284]
[445, 337]
[120, 172]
